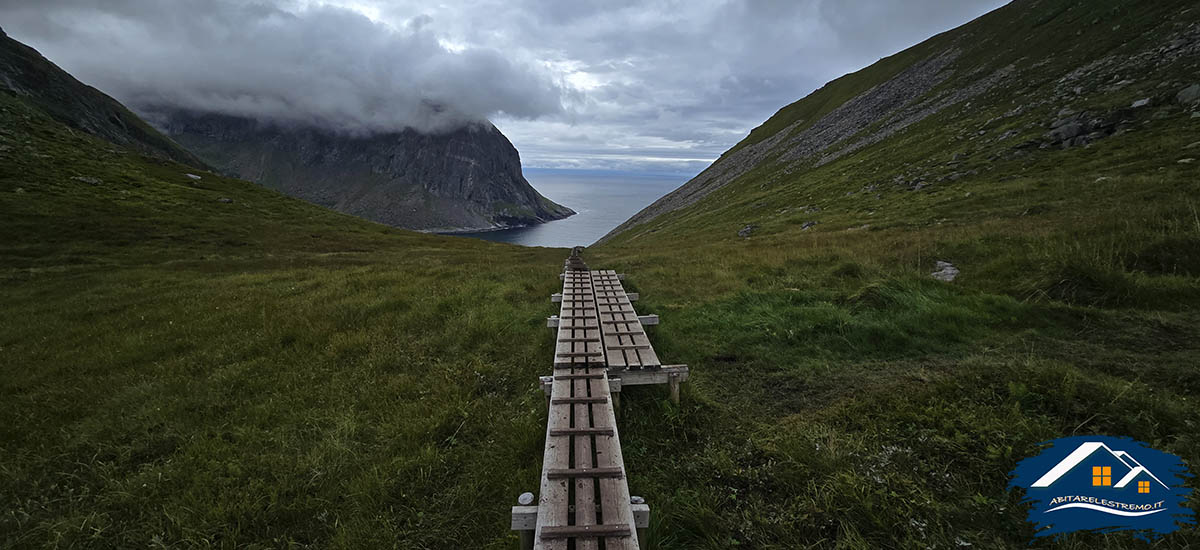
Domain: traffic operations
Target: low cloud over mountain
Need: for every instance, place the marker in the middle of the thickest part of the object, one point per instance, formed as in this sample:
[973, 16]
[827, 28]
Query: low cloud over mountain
[321, 65]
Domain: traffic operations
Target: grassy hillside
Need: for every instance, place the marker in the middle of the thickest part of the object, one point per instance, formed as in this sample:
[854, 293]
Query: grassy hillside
[182, 371]
[842, 396]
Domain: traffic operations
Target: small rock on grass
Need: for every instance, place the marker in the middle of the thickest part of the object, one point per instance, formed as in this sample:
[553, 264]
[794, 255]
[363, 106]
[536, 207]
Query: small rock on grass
[746, 231]
[1141, 103]
[225, 200]
[192, 176]
[945, 271]
[808, 225]
[88, 180]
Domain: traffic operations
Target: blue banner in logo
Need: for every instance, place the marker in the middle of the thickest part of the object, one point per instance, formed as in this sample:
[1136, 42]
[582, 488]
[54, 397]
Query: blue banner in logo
[1099, 483]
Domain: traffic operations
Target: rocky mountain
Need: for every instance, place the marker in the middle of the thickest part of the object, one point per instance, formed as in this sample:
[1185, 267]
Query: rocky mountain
[965, 102]
[28, 75]
[465, 180]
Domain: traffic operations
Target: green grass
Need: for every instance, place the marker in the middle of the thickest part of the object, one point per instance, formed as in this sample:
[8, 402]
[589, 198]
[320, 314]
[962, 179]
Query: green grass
[176, 371]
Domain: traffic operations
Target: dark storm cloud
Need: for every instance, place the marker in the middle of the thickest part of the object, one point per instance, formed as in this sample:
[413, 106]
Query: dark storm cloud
[324, 65]
[655, 84]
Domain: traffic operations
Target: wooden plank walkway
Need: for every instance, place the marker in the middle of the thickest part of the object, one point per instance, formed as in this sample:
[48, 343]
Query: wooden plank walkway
[584, 500]
[626, 345]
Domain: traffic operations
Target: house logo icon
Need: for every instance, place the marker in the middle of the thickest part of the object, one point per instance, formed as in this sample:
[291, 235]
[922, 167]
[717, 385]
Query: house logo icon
[1098, 483]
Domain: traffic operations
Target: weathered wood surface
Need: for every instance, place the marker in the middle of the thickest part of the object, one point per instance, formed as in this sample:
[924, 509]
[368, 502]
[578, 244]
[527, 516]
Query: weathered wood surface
[584, 493]
[626, 345]
[578, 341]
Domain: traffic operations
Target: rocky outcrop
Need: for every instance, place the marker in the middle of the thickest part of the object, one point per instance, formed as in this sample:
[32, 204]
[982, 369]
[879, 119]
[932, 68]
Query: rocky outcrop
[466, 180]
[33, 78]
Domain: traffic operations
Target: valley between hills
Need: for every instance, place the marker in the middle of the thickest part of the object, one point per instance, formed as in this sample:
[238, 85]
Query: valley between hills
[194, 360]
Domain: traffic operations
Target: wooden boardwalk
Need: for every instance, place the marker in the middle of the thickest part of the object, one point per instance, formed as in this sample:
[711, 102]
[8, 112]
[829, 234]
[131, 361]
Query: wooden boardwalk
[584, 501]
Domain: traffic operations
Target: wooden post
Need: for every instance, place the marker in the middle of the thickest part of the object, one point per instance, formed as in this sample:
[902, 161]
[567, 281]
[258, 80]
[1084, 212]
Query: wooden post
[616, 399]
[641, 518]
[546, 383]
[524, 519]
[673, 382]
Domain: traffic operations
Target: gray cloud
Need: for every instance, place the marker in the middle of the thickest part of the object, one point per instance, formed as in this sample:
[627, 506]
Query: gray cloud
[322, 65]
[628, 84]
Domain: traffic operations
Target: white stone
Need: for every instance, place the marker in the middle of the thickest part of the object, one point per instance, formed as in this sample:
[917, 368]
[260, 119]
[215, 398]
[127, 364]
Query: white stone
[945, 271]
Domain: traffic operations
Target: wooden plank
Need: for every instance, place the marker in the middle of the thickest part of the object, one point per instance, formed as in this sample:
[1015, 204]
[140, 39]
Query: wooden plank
[578, 399]
[614, 492]
[644, 377]
[552, 501]
[586, 472]
[624, 340]
[573, 375]
[575, 531]
[584, 502]
[524, 518]
[580, 431]
[596, 362]
[578, 328]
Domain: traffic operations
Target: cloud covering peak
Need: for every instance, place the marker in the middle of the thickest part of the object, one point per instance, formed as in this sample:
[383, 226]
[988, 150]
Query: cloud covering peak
[652, 85]
[318, 65]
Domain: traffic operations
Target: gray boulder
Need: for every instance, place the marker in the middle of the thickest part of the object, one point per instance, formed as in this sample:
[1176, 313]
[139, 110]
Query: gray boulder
[1189, 95]
[808, 225]
[746, 231]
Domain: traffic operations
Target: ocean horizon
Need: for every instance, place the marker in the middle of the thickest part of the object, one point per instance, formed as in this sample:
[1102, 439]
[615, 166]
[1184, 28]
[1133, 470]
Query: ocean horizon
[601, 199]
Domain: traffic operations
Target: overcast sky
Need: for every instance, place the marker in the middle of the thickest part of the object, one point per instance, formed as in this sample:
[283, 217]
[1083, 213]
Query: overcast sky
[599, 84]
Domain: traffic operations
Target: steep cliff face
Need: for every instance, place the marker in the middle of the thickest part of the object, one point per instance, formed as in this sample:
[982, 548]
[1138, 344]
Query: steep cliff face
[26, 74]
[466, 180]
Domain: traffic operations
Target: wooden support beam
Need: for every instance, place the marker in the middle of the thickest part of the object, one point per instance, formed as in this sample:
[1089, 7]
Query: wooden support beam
[581, 431]
[648, 320]
[525, 517]
[591, 531]
[644, 377]
[595, 473]
[552, 321]
[568, 376]
[564, 400]
[579, 353]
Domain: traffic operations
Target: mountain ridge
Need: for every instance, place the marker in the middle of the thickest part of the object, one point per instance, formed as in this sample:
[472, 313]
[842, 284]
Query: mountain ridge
[26, 73]
[1072, 98]
[467, 179]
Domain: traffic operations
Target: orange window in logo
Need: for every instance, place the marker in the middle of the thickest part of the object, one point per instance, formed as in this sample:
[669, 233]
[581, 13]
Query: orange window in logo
[1143, 486]
[1102, 477]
